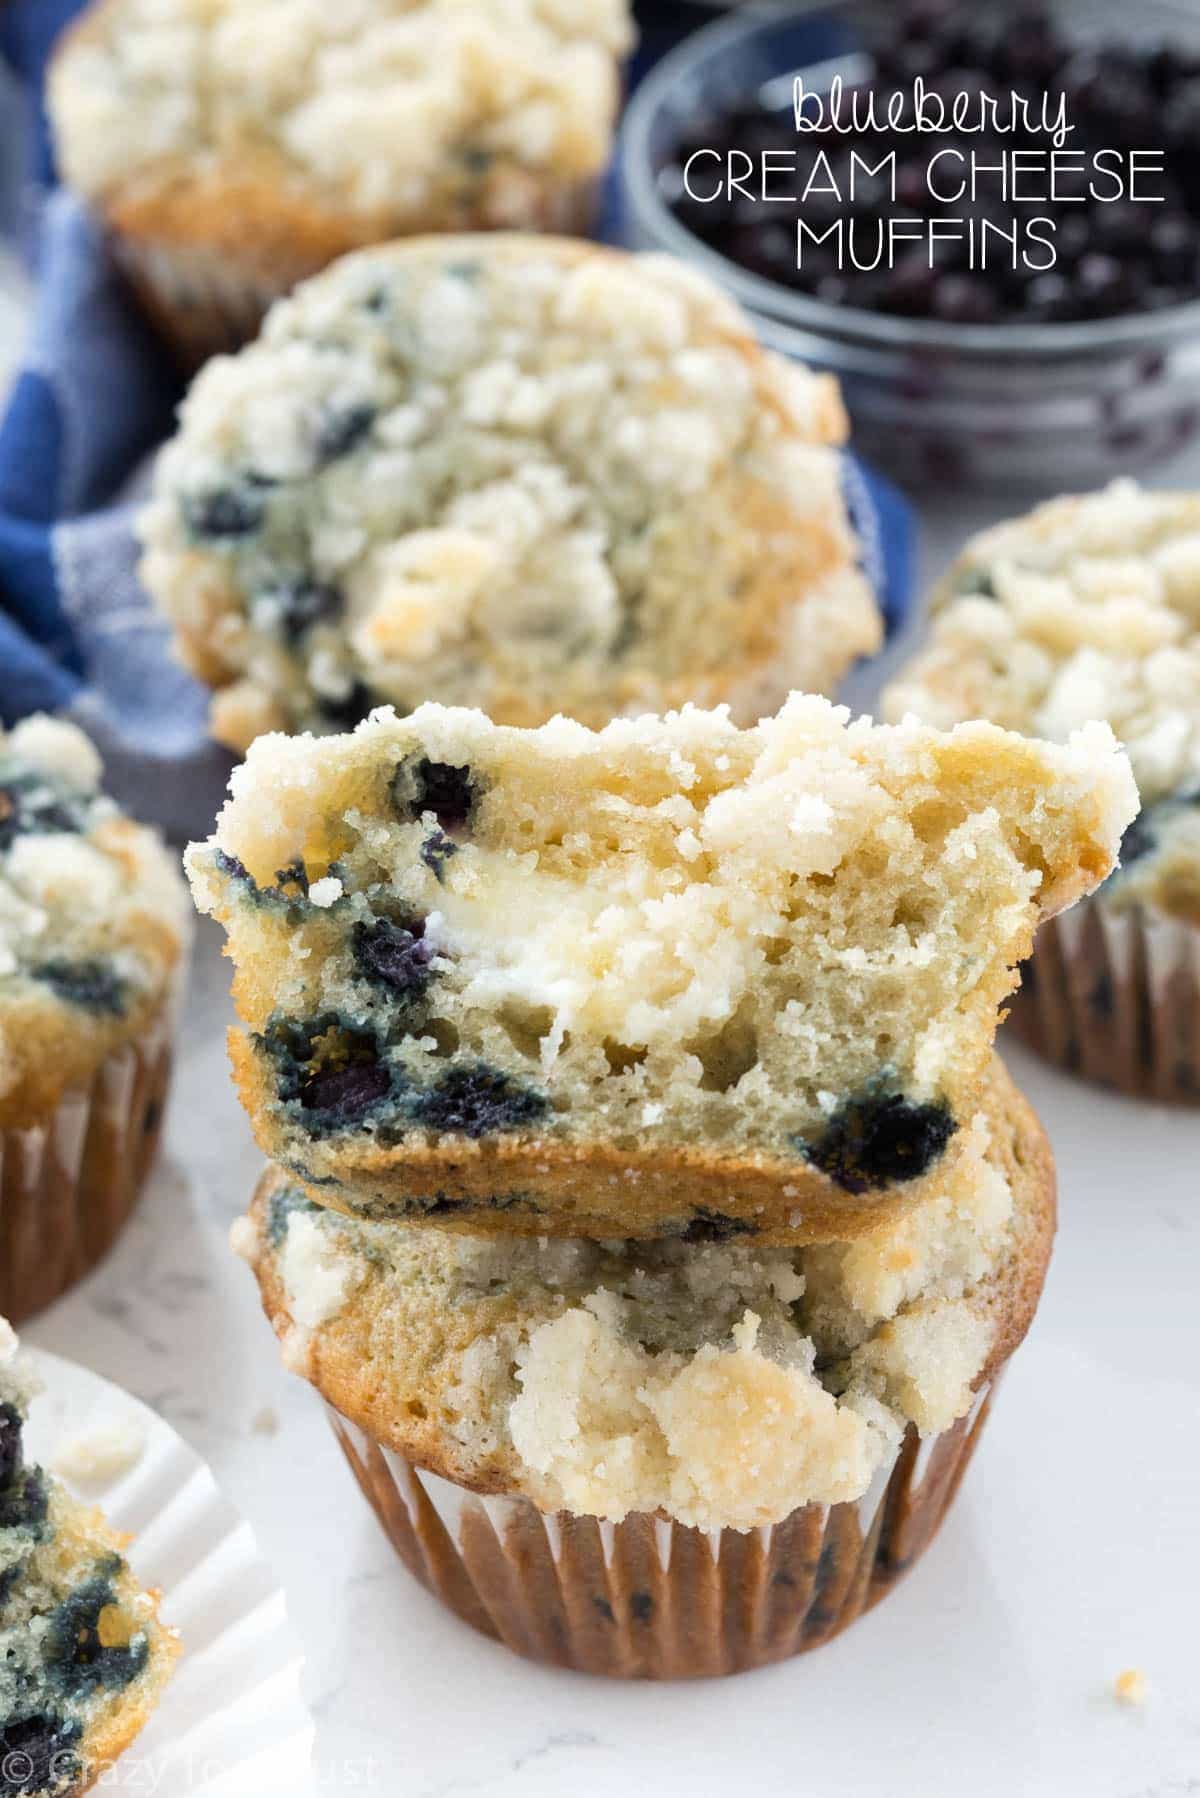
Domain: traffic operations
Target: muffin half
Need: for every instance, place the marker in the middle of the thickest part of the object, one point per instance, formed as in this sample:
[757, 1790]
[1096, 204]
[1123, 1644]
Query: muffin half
[809, 1410]
[666, 978]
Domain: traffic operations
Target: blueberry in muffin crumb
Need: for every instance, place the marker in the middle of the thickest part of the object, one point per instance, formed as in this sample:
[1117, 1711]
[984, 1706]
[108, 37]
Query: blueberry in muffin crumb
[880, 1137]
[673, 972]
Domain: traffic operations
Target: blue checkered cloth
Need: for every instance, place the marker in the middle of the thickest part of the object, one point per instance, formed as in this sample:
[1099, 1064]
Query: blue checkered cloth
[94, 394]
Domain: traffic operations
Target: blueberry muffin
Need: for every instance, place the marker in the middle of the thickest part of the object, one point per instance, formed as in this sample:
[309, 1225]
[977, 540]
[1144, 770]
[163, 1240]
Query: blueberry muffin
[720, 1387]
[1089, 608]
[519, 473]
[93, 932]
[234, 147]
[666, 978]
[83, 1656]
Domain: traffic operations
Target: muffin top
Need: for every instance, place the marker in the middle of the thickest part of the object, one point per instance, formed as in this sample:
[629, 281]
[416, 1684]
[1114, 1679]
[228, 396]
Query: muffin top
[724, 1384]
[376, 106]
[665, 976]
[83, 1657]
[521, 473]
[93, 918]
[1089, 608]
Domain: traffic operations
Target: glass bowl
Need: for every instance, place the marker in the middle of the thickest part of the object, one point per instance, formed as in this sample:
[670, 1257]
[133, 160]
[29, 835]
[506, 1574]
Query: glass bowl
[1015, 406]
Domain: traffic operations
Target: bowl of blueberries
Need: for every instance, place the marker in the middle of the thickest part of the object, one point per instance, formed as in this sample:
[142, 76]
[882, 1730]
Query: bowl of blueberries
[984, 220]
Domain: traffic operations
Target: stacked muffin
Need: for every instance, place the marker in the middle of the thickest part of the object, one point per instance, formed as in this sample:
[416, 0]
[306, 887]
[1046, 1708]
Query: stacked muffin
[646, 1203]
[1090, 608]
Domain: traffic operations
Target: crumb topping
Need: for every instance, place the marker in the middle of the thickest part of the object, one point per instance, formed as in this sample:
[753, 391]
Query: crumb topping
[503, 472]
[1086, 609]
[378, 103]
[722, 1383]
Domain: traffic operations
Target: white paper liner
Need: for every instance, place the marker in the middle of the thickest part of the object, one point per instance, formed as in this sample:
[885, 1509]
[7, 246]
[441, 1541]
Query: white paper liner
[649, 1598]
[1115, 996]
[232, 1722]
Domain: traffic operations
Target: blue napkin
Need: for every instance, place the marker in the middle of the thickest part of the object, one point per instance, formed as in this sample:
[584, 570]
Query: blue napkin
[95, 393]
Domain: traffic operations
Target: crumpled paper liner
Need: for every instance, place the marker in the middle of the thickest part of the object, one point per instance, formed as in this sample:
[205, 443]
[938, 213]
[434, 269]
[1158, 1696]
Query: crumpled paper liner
[232, 1722]
[68, 1185]
[648, 1598]
[205, 303]
[1115, 997]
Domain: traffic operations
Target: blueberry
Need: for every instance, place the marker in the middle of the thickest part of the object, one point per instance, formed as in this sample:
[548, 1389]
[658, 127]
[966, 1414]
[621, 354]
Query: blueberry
[1181, 120]
[1140, 838]
[24, 1501]
[641, 1606]
[394, 956]
[290, 882]
[1072, 239]
[1031, 49]
[436, 851]
[420, 785]
[82, 1663]
[908, 288]
[964, 300]
[477, 1101]
[351, 710]
[1105, 286]
[299, 604]
[224, 512]
[340, 432]
[91, 985]
[1173, 248]
[10, 1444]
[347, 1093]
[37, 1756]
[880, 1139]
[329, 1068]
[30, 805]
[711, 1226]
[1050, 298]
[233, 869]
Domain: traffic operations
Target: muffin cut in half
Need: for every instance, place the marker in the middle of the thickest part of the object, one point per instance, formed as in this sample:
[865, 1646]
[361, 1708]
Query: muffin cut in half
[667, 978]
[519, 473]
[723, 1385]
[234, 147]
[83, 1656]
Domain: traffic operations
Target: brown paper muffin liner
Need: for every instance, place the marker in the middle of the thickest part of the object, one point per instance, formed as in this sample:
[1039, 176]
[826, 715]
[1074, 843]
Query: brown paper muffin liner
[68, 1185]
[648, 1598]
[1115, 997]
[205, 303]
